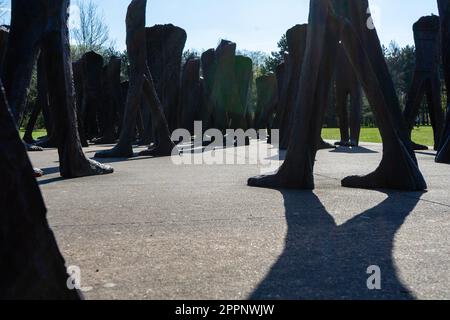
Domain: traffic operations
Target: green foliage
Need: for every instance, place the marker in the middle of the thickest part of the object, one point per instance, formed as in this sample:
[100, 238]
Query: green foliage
[276, 58]
[401, 64]
[258, 58]
[190, 54]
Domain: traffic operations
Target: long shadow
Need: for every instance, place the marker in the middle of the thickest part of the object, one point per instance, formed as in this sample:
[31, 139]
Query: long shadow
[353, 150]
[430, 153]
[322, 260]
[136, 157]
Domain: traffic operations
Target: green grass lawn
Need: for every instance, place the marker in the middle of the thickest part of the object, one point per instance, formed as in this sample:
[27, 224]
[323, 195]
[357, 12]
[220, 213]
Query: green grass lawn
[36, 134]
[422, 135]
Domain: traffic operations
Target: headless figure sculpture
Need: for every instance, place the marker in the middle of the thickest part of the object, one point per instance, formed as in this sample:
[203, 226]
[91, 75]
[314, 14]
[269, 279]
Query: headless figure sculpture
[426, 81]
[32, 266]
[329, 22]
[347, 86]
[190, 95]
[296, 39]
[111, 100]
[165, 45]
[141, 85]
[267, 90]
[43, 25]
[443, 155]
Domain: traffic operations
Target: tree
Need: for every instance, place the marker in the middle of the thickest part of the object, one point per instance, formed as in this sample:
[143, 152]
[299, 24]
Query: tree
[276, 58]
[189, 54]
[90, 33]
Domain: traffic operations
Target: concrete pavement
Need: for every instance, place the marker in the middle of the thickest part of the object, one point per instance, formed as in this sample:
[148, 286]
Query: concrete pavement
[155, 230]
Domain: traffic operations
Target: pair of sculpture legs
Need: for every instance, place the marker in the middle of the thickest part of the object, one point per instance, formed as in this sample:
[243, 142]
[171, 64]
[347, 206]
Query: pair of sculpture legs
[350, 125]
[348, 87]
[41, 26]
[141, 85]
[429, 85]
[398, 168]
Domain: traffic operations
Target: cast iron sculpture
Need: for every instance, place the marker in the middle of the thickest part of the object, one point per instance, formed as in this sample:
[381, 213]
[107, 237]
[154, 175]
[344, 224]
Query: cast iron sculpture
[225, 92]
[280, 74]
[43, 25]
[426, 81]
[112, 98]
[208, 66]
[140, 85]
[267, 90]
[296, 40]
[31, 264]
[348, 87]
[331, 21]
[92, 69]
[240, 114]
[226, 84]
[77, 69]
[191, 95]
[443, 155]
[165, 45]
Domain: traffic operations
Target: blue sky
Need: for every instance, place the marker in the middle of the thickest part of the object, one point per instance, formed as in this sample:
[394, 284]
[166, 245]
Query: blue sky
[255, 24]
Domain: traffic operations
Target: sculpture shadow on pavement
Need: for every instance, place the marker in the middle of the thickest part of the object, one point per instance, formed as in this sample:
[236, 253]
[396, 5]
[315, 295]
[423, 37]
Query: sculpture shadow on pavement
[323, 260]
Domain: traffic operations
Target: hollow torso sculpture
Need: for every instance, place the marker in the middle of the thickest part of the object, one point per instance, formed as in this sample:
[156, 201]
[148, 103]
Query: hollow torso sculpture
[91, 109]
[426, 80]
[112, 98]
[345, 21]
[208, 67]
[267, 90]
[42, 25]
[240, 113]
[443, 155]
[348, 87]
[165, 44]
[296, 39]
[191, 95]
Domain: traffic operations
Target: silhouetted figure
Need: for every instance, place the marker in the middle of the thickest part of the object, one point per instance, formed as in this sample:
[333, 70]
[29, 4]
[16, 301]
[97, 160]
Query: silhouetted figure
[31, 264]
[140, 85]
[348, 88]
[443, 155]
[329, 23]
[427, 80]
[42, 25]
